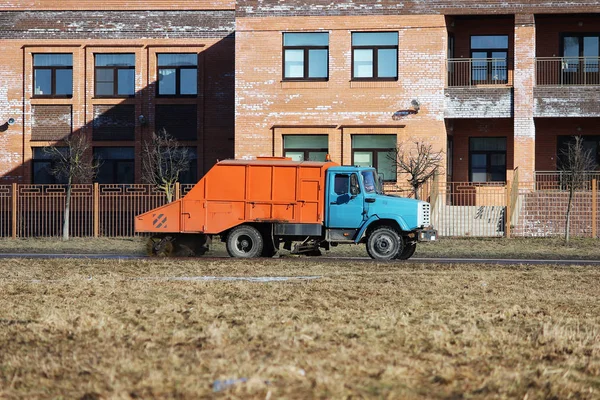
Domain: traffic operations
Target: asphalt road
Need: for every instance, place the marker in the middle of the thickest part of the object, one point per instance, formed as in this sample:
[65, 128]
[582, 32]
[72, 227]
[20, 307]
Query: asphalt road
[494, 261]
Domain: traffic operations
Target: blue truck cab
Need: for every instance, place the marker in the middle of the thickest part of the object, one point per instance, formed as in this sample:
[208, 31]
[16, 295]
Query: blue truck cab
[357, 210]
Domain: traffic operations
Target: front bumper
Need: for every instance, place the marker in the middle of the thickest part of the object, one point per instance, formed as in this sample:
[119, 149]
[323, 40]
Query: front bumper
[427, 235]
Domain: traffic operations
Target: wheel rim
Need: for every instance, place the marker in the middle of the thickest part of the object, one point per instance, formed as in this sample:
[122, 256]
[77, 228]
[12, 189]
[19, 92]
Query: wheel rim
[384, 245]
[244, 244]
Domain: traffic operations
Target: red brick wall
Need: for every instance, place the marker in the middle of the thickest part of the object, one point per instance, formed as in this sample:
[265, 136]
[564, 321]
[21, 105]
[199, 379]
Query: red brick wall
[83, 34]
[339, 107]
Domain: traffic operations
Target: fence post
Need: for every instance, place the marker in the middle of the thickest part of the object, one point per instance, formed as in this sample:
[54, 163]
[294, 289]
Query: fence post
[177, 190]
[594, 208]
[96, 210]
[508, 213]
[14, 210]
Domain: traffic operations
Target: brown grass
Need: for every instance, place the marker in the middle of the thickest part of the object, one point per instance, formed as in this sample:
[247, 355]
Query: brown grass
[91, 329]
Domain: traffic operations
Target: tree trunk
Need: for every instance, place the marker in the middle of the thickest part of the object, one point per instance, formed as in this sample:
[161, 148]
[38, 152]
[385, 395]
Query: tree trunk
[416, 190]
[568, 222]
[169, 193]
[67, 211]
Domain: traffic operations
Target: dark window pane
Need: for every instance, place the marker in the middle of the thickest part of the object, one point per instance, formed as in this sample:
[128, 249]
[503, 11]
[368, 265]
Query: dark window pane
[317, 156]
[116, 164]
[177, 60]
[363, 63]
[375, 39]
[126, 82]
[105, 89]
[114, 153]
[488, 144]
[42, 82]
[115, 60]
[191, 175]
[105, 75]
[294, 64]
[373, 141]
[305, 141]
[189, 81]
[387, 63]
[386, 165]
[317, 63]
[489, 42]
[124, 172]
[590, 46]
[341, 184]
[167, 81]
[64, 82]
[571, 46]
[306, 39]
[53, 60]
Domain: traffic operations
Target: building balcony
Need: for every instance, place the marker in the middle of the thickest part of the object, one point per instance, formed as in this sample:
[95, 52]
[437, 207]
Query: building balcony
[567, 87]
[469, 72]
[567, 71]
[479, 88]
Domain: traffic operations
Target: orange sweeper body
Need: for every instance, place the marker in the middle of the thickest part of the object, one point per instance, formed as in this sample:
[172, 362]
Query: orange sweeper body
[234, 192]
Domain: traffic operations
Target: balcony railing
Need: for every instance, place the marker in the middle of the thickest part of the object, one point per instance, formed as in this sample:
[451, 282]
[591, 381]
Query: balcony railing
[568, 71]
[559, 180]
[464, 72]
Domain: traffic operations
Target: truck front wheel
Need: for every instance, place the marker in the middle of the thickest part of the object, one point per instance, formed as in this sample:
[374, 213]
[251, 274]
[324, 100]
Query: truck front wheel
[245, 241]
[384, 244]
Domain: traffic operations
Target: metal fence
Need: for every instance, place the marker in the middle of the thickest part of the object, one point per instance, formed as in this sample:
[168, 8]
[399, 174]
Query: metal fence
[95, 210]
[559, 180]
[480, 71]
[559, 71]
[458, 208]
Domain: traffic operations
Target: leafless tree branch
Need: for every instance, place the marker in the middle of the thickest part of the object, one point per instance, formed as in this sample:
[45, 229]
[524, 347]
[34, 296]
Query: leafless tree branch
[420, 162]
[163, 160]
[74, 164]
[576, 163]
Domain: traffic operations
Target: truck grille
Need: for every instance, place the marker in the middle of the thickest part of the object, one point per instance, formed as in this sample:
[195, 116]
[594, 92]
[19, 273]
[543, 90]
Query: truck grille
[424, 214]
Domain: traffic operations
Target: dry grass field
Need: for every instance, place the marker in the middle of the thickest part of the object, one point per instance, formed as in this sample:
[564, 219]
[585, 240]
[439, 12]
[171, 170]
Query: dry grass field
[99, 329]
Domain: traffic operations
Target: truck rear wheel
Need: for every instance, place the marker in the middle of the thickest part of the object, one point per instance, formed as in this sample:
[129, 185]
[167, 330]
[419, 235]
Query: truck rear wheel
[384, 244]
[245, 241]
[407, 252]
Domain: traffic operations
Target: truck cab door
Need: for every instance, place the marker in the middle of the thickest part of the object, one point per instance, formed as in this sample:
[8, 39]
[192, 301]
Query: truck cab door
[345, 201]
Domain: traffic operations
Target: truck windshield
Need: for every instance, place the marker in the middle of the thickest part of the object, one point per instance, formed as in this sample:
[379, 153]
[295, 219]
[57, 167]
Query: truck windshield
[371, 182]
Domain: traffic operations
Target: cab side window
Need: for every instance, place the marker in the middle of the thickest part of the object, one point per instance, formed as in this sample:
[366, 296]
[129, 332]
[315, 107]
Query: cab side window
[341, 184]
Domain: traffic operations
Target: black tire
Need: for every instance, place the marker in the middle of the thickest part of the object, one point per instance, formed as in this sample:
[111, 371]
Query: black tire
[245, 241]
[384, 244]
[407, 251]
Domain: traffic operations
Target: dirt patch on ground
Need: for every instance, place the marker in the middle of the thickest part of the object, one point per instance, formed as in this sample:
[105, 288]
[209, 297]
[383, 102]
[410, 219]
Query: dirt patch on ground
[93, 329]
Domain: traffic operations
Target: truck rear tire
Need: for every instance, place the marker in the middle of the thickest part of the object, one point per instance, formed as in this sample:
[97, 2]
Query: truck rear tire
[245, 241]
[407, 251]
[384, 244]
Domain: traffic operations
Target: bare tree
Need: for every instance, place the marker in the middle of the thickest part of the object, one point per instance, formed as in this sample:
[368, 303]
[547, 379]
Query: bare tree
[71, 163]
[576, 162]
[163, 160]
[420, 163]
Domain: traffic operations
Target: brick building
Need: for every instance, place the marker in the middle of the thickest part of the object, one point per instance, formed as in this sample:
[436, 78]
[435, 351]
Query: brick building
[495, 85]
[116, 71]
[499, 85]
